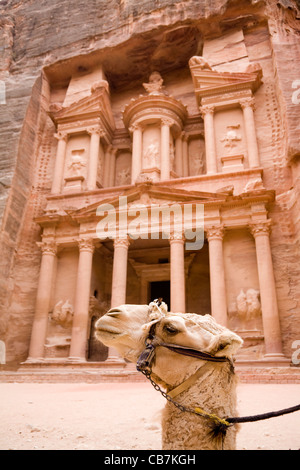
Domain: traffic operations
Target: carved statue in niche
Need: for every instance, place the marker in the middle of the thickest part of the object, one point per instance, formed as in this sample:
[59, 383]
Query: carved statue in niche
[100, 169]
[63, 313]
[77, 163]
[231, 138]
[196, 157]
[198, 164]
[172, 155]
[123, 177]
[151, 156]
[248, 308]
[155, 85]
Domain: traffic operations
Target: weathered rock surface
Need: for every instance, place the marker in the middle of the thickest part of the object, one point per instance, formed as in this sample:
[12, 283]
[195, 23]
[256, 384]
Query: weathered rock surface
[139, 36]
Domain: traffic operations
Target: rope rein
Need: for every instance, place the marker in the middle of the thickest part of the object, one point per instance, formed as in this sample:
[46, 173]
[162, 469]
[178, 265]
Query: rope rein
[220, 425]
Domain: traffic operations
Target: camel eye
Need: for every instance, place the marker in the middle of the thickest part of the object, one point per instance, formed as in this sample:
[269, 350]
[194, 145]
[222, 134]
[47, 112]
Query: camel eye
[171, 329]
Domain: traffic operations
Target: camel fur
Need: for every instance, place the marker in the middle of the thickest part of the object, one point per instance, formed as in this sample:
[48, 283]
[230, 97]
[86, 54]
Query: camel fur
[126, 329]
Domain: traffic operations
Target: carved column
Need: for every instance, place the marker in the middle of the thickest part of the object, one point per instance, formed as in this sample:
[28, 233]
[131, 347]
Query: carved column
[107, 161]
[247, 105]
[137, 139]
[119, 278]
[177, 273]
[217, 274]
[59, 162]
[112, 166]
[40, 322]
[178, 156]
[185, 154]
[270, 315]
[210, 144]
[165, 149]
[82, 298]
[95, 134]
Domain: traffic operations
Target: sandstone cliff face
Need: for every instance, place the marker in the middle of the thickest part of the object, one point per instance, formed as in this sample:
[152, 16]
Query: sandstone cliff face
[148, 34]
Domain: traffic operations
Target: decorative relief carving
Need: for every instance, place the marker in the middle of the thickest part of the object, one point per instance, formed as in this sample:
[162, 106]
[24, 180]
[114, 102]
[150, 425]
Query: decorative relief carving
[86, 244]
[144, 178]
[96, 130]
[248, 304]
[207, 109]
[215, 232]
[63, 313]
[176, 236]
[61, 136]
[172, 155]
[123, 177]
[135, 127]
[247, 103]
[167, 122]
[231, 138]
[151, 155]
[155, 85]
[122, 242]
[48, 247]
[260, 228]
[77, 163]
[200, 62]
[248, 311]
[253, 185]
[196, 151]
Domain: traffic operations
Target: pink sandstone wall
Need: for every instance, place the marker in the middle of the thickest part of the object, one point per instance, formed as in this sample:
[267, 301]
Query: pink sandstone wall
[123, 36]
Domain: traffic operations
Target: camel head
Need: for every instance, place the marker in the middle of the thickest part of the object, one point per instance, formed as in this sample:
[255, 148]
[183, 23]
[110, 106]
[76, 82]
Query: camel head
[122, 328]
[126, 328]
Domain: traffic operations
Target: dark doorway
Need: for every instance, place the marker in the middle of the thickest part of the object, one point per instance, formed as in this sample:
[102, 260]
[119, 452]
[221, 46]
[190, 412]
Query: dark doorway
[160, 289]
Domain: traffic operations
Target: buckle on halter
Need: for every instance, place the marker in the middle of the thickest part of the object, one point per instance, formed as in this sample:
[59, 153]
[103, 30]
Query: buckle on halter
[144, 361]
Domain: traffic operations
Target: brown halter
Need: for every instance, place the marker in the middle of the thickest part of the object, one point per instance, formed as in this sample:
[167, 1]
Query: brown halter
[146, 358]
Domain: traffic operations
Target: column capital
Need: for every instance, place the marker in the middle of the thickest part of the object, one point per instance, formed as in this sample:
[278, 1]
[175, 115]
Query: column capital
[207, 109]
[247, 103]
[48, 247]
[121, 242]
[61, 136]
[86, 244]
[96, 130]
[167, 122]
[176, 237]
[215, 232]
[260, 228]
[184, 136]
[135, 127]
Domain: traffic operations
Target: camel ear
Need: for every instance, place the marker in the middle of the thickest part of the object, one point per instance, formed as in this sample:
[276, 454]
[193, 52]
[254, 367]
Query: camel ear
[225, 344]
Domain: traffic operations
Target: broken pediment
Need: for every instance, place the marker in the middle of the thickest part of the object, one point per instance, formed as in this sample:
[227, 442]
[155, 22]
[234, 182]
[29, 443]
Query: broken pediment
[147, 194]
[209, 82]
[88, 109]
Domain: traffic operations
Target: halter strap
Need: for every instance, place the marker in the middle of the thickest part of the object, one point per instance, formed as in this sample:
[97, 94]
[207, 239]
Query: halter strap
[189, 381]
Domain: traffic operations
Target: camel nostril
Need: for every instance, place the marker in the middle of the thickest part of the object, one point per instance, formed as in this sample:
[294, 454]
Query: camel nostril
[114, 312]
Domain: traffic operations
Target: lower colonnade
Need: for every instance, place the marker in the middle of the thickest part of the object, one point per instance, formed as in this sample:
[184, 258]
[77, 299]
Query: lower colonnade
[177, 275]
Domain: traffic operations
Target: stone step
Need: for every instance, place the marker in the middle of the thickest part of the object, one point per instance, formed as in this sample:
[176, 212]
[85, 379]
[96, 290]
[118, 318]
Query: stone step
[258, 374]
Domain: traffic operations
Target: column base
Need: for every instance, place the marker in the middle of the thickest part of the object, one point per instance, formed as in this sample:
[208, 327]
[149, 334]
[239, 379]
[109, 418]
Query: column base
[76, 359]
[34, 360]
[276, 357]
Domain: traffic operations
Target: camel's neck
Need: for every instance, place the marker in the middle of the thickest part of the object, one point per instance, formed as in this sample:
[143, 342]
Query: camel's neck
[214, 392]
[213, 388]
